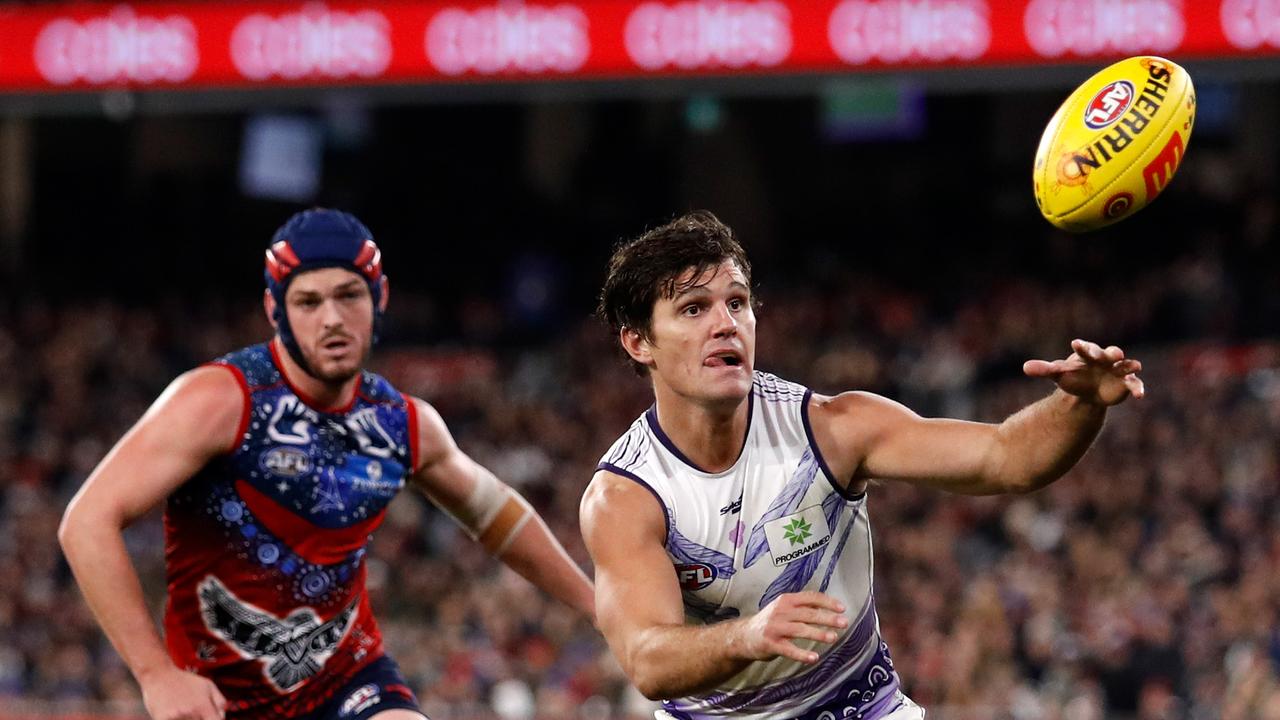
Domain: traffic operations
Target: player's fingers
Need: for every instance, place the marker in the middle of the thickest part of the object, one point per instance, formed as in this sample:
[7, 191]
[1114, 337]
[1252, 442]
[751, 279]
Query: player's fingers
[1038, 368]
[1126, 367]
[804, 631]
[786, 648]
[1087, 350]
[816, 599]
[1050, 369]
[209, 710]
[1113, 353]
[219, 702]
[1136, 387]
[820, 617]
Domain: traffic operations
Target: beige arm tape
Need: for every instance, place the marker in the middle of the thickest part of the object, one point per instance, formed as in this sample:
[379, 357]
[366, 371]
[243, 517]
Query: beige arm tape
[506, 525]
[493, 513]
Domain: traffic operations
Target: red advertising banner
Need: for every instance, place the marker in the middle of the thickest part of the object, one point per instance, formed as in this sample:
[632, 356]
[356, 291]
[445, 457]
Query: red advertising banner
[80, 46]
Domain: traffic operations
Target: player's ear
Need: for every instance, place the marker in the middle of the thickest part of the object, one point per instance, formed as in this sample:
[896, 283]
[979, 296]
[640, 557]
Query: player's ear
[269, 307]
[637, 345]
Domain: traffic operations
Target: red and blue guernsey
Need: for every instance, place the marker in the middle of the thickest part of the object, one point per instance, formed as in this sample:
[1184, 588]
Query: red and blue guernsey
[265, 546]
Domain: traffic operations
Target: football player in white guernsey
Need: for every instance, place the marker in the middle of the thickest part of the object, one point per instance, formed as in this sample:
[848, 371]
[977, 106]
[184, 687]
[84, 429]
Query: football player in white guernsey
[729, 525]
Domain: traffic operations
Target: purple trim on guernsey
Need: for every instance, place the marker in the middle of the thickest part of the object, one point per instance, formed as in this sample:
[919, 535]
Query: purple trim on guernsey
[868, 695]
[835, 662]
[872, 695]
[817, 452]
[666, 515]
[651, 416]
[783, 503]
[684, 550]
[771, 387]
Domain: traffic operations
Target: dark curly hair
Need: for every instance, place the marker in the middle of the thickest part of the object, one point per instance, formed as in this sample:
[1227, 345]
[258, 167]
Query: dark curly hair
[648, 267]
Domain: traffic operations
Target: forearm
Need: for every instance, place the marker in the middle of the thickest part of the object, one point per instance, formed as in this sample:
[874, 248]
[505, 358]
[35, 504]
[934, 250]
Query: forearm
[1041, 442]
[109, 583]
[536, 554]
[672, 661]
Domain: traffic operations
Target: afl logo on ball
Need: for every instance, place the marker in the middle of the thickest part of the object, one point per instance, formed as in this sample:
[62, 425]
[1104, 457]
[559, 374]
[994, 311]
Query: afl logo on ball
[1117, 205]
[695, 576]
[1109, 104]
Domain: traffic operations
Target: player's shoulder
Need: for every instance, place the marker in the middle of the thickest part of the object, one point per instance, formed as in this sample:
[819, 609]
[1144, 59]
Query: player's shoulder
[853, 401]
[620, 501]
[855, 413]
[207, 399]
[210, 382]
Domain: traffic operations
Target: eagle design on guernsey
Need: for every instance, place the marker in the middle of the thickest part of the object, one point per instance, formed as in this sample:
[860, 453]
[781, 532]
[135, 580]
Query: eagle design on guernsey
[292, 649]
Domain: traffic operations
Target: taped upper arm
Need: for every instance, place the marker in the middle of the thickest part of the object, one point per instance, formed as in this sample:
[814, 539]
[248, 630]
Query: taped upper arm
[444, 473]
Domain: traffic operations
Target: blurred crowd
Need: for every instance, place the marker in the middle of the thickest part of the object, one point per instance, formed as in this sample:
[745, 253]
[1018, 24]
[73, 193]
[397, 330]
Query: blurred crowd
[1143, 585]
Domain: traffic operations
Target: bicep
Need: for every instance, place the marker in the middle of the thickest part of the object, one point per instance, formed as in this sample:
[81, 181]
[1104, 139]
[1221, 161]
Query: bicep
[888, 441]
[445, 474]
[636, 588]
[193, 421]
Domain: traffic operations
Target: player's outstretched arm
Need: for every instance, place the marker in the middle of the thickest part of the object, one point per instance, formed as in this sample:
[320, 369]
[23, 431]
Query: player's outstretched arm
[865, 436]
[192, 422]
[495, 514]
[641, 614]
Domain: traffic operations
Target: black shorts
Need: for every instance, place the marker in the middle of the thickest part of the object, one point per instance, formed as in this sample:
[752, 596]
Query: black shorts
[379, 686]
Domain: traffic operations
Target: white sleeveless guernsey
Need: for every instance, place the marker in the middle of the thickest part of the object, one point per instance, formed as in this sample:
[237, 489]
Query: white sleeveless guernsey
[775, 522]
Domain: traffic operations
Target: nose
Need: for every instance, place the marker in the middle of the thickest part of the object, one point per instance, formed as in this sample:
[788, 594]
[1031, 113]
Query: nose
[726, 325]
[330, 314]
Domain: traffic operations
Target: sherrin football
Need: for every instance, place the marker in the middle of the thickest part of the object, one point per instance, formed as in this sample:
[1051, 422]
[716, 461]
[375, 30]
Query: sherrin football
[1115, 144]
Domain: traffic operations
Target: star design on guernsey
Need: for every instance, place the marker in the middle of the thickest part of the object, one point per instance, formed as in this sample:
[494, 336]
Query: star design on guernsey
[735, 535]
[797, 531]
[329, 497]
[282, 486]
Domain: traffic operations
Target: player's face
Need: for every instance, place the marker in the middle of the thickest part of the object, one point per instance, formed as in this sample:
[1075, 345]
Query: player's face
[703, 340]
[331, 314]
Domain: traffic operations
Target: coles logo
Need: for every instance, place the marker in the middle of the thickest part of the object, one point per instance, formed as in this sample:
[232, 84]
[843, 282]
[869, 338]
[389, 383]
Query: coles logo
[892, 31]
[1092, 27]
[508, 38]
[1109, 104]
[316, 41]
[119, 47]
[692, 35]
[695, 576]
[1248, 24]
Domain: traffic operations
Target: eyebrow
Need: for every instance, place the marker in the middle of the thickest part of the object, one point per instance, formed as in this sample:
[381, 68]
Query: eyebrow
[348, 285]
[702, 290]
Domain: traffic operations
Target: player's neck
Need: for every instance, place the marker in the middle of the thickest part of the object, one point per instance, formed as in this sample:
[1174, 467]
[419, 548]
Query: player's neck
[709, 435]
[318, 393]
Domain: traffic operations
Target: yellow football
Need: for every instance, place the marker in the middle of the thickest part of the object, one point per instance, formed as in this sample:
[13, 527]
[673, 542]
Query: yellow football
[1114, 144]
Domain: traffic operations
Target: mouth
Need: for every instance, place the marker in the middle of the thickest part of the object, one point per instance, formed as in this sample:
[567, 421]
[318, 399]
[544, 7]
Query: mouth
[724, 358]
[336, 344]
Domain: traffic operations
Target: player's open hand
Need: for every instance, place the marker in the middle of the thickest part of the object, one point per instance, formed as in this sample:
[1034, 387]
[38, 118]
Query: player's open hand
[794, 616]
[1103, 376]
[175, 694]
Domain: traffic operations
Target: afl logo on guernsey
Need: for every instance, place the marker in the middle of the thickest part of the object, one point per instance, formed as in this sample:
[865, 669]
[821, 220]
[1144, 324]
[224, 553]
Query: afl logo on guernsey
[1109, 104]
[695, 576]
[360, 700]
[286, 462]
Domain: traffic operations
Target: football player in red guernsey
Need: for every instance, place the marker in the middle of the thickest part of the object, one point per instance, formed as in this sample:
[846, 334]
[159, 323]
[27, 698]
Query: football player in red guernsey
[275, 464]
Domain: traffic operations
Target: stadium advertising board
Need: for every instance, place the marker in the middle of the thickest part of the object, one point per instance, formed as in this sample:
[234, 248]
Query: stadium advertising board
[82, 46]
